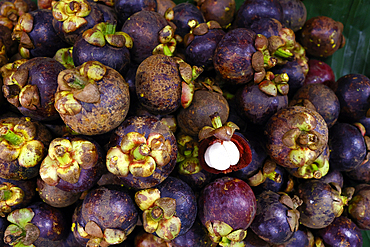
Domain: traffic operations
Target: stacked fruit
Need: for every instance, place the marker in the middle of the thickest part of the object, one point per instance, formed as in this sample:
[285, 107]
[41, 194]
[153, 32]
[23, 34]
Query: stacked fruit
[161, 123]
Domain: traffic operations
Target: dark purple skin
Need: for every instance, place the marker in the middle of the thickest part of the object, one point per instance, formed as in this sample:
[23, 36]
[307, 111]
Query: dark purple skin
[183, 13]
[347, 147]
[232, 59]
[256, 106]
[110, 207]
[358, 206]
[353, 92]
[186, 204]
[71, 241]
[361, 173]
[270, 222]
[146, 125]
[320, 72]
[42, 72]
[96, 15]
[126, 8]
[54, 196]
[323, 99]
[230, 200]
[259, 156]
[28, 187]
[333, 176]
[317, 209]
[198, 180]
[43, 35]
[200, 51]
[3, 225]
[117, 58]
[342, 232]
[205, 103]
[51, 223]
[295, 73]
[252, 10]
[196, 236]
[299, 239]
[294, 14]
[252, 240]
[272, 185]
[143, 27]
[266, 26]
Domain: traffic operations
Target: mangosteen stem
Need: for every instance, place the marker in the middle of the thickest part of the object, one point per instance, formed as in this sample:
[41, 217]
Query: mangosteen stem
[280, 52]
[216, 120]
[5, 194]
[274, 176]
[110, 29]
[141, 151]
[62, 156]
[10, 136]
[167, 51]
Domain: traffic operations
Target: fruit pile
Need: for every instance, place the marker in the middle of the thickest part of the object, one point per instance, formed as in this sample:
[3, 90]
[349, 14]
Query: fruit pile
[178, 124]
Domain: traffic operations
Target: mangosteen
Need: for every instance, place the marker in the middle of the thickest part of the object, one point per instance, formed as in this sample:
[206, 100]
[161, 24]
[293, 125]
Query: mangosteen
[296, 136]
[103, 44]
[73, 17]
[227, 207]
[163, 5]
[92, 98]
[341, 232]
[221, 149]
[320, 72]
[38, 224]
[320, 98]
[256, 103]
[158, 84]
[294, 14]
[145, 239]
[347, 147]
[295, 73]
[148, 30]
[126, 8]
[30, 86]
[222, 11]
[184, 15]
[74, 163]
[232, 58]
[201, 44]
[276, 218]
[321, 203]
[36, 34]
[353, 91]
[169, 209]
[252, 10]
[321, 36]
[106, 216]
[56, 197]
[15, 194]
[333, 176]
[196, 236]
[23, 146]
[11, 10]
[142, 152]
[188, 167]
[192, 119]
[358, 206]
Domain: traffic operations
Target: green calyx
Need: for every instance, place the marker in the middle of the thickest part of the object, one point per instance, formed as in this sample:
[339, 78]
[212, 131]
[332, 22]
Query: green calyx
[105, 32]
[64, 56]
[13, 138]
[21, 233]
[223, 234]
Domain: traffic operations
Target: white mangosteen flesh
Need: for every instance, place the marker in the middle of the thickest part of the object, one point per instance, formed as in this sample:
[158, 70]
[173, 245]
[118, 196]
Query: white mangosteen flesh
[222, 155]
